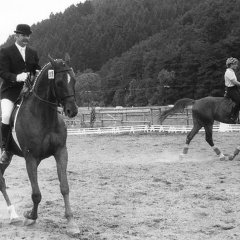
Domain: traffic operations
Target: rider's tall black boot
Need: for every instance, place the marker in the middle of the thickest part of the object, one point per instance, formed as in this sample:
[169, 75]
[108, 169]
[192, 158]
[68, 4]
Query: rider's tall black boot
[6, 156]
[234, 114]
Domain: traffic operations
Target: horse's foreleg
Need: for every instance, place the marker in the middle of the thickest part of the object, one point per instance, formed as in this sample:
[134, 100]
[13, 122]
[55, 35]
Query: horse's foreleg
[3, 184]
[61, 159]
[32, 215]
[11, 209]
[3, 190]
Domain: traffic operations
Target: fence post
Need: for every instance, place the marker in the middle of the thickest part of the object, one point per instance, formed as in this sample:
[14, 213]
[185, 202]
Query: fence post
[160, 112]
[101, 119]
[83, 120]
[151, 110]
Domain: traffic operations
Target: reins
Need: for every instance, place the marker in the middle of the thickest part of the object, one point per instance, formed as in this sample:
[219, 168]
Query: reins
[43, 100]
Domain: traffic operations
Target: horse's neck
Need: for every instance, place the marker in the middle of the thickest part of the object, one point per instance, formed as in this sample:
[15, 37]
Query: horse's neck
[40, 109]
[42, 101]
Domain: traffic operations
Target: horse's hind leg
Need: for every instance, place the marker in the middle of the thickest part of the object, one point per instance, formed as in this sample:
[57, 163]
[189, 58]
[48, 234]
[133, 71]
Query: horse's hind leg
[209, 139]
[196, 127]
[61, 159]
[14, 218]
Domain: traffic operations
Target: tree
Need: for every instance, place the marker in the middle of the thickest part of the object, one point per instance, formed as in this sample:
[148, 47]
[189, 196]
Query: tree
[88, 88]
[165, 80]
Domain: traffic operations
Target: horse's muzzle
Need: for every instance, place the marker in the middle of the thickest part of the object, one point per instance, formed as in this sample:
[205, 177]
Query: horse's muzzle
[70, 109]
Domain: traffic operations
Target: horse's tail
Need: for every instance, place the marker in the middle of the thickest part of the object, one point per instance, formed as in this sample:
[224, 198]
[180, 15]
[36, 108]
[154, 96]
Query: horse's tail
[178, 106]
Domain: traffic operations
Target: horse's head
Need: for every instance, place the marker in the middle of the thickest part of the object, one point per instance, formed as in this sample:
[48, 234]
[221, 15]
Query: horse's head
[64, 84]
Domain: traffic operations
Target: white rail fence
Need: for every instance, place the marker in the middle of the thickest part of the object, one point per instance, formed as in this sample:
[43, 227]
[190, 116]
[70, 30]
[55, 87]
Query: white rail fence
[127, 116]
[149, 129]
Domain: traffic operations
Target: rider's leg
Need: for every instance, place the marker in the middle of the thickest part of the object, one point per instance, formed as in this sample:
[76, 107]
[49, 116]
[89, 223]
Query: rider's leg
[6, 107]
[235, 112]
[234, 94]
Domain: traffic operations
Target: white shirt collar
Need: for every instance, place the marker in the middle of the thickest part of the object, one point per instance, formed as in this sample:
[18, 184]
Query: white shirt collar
[22, 50]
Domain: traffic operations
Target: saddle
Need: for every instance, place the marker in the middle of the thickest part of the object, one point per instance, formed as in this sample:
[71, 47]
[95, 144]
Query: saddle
[14, 114]
[25, 92]
[227, 102]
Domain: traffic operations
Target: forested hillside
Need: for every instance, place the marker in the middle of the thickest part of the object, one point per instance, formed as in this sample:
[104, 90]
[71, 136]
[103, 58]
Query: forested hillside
[186, 60]
[143, 52]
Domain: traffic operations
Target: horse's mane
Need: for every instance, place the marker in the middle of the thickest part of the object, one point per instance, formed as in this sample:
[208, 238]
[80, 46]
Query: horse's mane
[44, 68]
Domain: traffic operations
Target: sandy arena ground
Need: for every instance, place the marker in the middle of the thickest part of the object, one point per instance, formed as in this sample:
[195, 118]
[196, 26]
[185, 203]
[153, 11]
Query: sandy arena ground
[133, 187]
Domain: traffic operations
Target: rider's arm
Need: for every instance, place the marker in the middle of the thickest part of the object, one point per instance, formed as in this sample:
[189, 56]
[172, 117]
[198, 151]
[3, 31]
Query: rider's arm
[5, 67]
[235, 82]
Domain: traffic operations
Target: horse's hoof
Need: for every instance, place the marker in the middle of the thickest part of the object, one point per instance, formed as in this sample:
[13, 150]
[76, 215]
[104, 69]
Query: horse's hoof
[29, 215]
[29, 222]
[231, 157]
[185, 150]
[223, 158]
[16, 221]
[73, 229]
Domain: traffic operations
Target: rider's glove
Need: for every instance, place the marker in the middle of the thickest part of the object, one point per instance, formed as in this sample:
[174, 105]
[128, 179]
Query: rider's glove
[22, 77]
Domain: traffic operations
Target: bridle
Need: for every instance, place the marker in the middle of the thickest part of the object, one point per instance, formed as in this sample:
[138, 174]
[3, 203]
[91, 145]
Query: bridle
[59, 100]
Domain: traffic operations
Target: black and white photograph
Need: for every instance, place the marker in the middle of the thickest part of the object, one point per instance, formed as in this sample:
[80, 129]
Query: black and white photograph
[120, 120]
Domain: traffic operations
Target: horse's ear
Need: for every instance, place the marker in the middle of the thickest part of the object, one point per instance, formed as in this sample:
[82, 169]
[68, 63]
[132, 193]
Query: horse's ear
[67, 58]
[51, 59]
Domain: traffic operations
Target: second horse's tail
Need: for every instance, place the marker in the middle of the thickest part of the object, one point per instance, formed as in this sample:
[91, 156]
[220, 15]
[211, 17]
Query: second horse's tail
[178, 106]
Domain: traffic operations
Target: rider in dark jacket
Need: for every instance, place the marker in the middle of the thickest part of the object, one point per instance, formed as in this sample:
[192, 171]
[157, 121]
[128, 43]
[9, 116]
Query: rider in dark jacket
[16, 63]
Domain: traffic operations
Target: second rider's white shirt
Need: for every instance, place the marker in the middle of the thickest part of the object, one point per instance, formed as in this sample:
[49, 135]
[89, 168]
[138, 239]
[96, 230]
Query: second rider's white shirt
[229, 76]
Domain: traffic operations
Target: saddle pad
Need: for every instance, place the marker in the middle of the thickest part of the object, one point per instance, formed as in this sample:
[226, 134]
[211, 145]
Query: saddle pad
[13, 123]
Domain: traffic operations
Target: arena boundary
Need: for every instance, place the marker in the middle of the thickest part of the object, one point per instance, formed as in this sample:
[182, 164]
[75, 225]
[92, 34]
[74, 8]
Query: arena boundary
[149, 129]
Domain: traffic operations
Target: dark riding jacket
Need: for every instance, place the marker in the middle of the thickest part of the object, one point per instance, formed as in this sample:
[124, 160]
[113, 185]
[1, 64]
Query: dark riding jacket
[12, 64]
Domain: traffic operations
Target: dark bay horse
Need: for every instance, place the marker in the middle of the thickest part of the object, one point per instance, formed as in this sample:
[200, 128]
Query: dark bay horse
[204, 112]
[41, 132]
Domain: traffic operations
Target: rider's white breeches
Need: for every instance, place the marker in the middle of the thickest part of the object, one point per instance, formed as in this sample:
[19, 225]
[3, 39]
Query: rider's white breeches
[6, 107]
